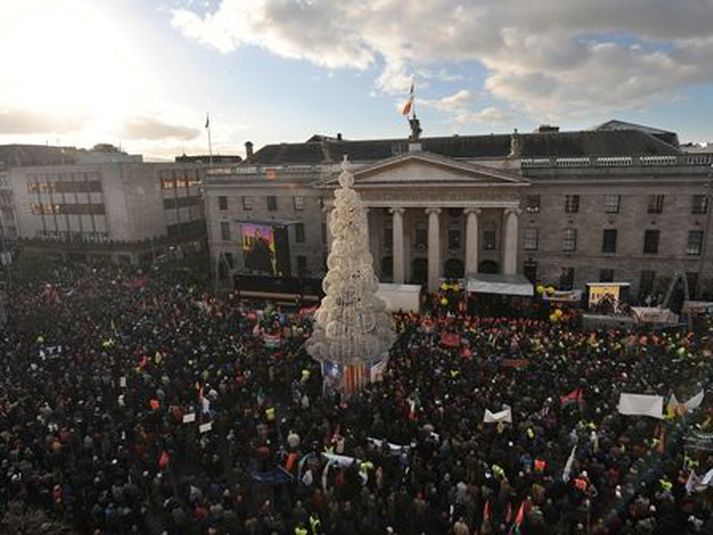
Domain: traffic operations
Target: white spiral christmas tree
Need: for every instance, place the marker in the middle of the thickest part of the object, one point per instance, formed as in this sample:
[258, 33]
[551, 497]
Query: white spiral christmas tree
[351, 326]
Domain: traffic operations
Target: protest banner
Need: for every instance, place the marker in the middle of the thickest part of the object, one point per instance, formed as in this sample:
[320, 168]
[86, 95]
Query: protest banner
[697, 441]
[641, 405]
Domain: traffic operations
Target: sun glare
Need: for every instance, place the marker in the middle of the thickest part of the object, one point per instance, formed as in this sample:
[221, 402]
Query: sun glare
[66, 57]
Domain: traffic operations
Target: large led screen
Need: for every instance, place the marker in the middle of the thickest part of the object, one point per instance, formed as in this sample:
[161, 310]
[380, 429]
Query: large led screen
[265, 250]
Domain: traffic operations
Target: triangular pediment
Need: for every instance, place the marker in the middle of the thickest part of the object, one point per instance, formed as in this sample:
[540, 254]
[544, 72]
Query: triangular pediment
[425, 168]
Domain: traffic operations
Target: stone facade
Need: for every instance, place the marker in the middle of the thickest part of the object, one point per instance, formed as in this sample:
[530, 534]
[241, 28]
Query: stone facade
[246, 199]
[111, 209]
[456, 213]
[681, 182]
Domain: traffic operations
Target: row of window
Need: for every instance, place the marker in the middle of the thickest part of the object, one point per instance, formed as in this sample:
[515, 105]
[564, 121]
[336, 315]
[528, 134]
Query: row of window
[186, 227]
[531, 237]
[46, 208]
[181, 202]
[694, 245]
[612, 204]
[63, 186]
[298, 202]
[73, 236]
[182, 179]
[453, 236]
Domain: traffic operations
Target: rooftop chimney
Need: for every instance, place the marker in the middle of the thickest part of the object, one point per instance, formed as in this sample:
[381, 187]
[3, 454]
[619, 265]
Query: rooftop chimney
[339, 136]
[248, 150]
[547, 128]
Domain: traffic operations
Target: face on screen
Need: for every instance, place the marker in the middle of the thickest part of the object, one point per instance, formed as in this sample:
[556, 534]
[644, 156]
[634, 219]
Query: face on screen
[259, 248]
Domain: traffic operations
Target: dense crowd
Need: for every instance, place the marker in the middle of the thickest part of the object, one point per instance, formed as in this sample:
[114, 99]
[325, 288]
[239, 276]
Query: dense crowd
[137, 403]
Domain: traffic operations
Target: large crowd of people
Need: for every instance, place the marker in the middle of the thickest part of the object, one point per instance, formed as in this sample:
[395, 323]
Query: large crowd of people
[139, 403]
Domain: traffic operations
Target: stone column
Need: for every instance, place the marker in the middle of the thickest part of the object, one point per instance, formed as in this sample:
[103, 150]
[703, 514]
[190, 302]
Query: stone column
[510, 248]
[398, 244]
[373, 239]
[327, 217]
[471, 241]
[434, 248]
[367, 229]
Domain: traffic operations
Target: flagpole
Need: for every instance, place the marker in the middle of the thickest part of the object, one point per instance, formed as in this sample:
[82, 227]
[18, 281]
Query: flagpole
[413, 97]
[210, 144]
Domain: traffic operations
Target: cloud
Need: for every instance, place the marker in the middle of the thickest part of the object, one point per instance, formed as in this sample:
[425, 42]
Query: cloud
[550, 59]
[459, 107]
[145, 127]
[297, 30]
[13, 121]
[451, 103]
[488, 115]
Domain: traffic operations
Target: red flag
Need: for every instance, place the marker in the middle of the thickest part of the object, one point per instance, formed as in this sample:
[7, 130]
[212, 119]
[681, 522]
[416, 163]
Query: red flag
[163, 460]
[486, 511]
[520, 518]
[354, 378]
[291, 461]
[575, 396]
[450, 339]
[412, 410]
[154, 404]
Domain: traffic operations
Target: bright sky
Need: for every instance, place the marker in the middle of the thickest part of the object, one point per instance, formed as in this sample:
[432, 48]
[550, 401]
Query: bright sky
[143, 73]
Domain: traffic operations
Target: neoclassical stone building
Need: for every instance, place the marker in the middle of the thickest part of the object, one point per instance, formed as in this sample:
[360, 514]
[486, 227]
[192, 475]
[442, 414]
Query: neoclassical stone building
[619, 202]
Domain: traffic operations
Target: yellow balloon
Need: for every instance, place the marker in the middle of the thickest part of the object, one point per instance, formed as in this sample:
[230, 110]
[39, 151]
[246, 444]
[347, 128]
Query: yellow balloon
[558, 313]
[550, 290]
[444, 301]
[540, 289]
[553, 318]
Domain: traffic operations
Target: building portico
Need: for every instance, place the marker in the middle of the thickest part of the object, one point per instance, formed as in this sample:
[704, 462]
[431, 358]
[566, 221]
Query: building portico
[421, 231]
[444, 238]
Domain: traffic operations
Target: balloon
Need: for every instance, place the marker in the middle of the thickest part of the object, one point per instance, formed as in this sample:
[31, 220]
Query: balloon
[540, 289]
[553, 318]
[444, 301]
[550, 290]
[558, 313]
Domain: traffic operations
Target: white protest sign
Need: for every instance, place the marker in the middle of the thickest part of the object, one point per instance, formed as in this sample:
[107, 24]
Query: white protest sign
[641, 405]
[204, 428]
[502, 416]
